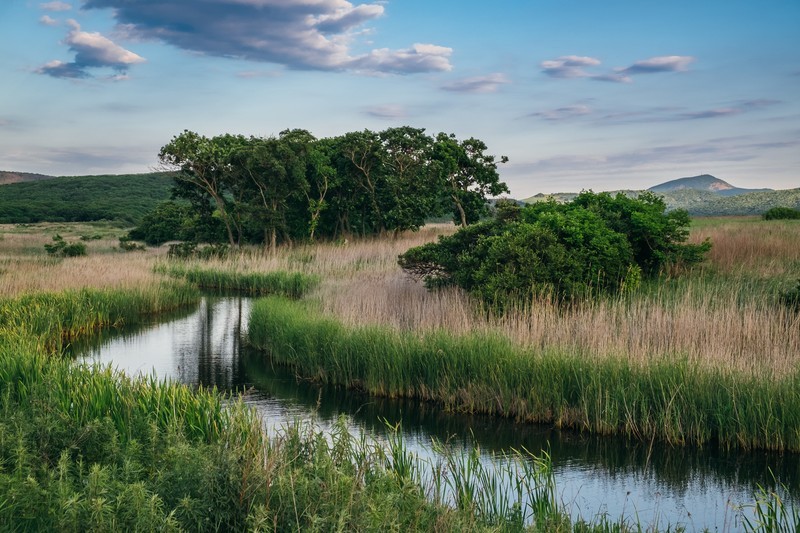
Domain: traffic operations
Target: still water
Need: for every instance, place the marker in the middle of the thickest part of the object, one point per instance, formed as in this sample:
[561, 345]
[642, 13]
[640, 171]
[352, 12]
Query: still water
[647, 482]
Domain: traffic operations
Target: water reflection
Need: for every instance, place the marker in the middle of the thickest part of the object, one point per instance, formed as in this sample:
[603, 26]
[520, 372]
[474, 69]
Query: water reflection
[616, 476]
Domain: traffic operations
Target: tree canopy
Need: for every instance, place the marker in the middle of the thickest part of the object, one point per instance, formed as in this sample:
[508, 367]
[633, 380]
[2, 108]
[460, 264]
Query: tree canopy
[297, 187]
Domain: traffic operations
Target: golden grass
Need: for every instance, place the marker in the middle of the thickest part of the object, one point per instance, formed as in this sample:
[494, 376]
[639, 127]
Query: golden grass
[717, 317]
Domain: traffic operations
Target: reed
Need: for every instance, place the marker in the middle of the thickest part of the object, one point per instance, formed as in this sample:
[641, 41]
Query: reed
[673, 400]
[290, 284]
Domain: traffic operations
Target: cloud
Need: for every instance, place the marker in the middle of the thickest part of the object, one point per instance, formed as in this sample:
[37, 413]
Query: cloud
[572, 67]
[55, 6]
[298, 34]
[673, 114]
[387, 111]
[479, 84]
[48, 21]
[563, 113]
[659, 64]
[92, 50]
[568, 66]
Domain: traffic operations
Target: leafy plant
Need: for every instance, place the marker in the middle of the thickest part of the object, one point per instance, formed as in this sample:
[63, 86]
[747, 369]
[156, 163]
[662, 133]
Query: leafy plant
[782, 213]
[595, 244]
[62, 248]
[126, 244]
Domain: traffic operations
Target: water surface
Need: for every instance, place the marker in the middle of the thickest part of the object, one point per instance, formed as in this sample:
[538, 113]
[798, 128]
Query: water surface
[594, 475]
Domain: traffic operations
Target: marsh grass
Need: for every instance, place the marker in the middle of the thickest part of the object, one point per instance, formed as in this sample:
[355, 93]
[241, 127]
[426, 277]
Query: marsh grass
[290, 284]
[674, 401]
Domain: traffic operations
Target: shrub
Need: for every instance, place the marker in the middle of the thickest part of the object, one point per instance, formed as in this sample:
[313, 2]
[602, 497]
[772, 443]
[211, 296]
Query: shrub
[782, 213]
[62, 248]
[791, 298]
[596, 244]
[169, 221]
[128, 245]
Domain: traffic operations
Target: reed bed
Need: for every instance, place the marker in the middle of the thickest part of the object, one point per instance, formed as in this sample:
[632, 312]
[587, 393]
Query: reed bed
[674, 401]
[290, 284]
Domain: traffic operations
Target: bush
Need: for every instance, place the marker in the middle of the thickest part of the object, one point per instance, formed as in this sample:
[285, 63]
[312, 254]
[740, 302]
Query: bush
[596, 244]
[791, 298]
[62, 248]
[782, 213]
[128, 245]
[169, 221]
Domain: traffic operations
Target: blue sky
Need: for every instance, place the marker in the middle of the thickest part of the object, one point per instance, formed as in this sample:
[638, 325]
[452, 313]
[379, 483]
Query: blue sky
[578, 94]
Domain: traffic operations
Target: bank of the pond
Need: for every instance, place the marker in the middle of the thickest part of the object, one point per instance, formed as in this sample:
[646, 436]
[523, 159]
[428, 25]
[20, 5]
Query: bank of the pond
[672, 401]
[289, 284]
[83, 449]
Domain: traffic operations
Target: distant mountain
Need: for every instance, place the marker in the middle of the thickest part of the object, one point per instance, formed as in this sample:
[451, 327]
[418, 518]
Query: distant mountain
[7, 177]
[705, 195]
[703, 182]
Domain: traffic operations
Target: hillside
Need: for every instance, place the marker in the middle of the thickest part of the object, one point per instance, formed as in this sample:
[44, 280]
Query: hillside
[704, 182]
[121, 198]
[7, 177]
[705, 195]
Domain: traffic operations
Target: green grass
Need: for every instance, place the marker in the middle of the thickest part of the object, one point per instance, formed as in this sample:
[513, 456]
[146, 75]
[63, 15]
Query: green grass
[290, 284]
[670, 400]
[88, 449]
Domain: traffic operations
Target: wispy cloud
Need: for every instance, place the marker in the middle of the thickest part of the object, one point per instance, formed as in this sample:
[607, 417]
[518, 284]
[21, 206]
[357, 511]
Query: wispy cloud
[55, 6]
[563, 113]
[48, 21]
[573, 67]
[672, 114]
[569, 66]
[659, 64]
[92, 50]
[390, 111]
[298, 34]
[478, 84]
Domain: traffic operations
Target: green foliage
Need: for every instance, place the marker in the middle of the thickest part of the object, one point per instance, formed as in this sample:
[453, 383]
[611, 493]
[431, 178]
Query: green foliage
[782, 213]
[791, 297]
[62, 248]
[124, 198]
[169, 221]
[296, 187]
[290, 284]
[595, 244]
[191, 250]
[126, 244]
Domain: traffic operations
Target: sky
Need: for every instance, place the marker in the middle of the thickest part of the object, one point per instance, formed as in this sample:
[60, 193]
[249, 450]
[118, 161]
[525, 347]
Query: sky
[579, 94]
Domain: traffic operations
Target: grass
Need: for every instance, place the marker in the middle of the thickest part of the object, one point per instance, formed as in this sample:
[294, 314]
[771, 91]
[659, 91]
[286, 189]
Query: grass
[290, 284]
[88, 449]
[673, 401]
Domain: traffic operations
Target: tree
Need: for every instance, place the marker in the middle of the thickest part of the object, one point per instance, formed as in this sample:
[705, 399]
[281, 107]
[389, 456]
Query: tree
[204, 164]
[274, 169]
[467, 174]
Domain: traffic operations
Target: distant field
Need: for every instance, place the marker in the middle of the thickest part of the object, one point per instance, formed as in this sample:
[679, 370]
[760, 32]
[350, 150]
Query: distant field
[123, 199]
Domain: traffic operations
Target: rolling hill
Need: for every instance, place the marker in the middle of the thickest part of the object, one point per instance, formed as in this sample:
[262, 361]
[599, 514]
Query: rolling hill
[704, 182]
[7, 177]
[121, 198]
[706, 195]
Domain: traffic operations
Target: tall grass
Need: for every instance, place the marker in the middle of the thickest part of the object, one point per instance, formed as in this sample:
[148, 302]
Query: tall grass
[674, 401]
[291, 284]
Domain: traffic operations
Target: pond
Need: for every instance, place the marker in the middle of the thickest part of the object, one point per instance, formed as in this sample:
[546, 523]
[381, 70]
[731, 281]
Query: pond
[648, 482]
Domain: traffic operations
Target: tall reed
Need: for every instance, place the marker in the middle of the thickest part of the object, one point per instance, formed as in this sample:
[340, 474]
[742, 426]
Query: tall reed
[671, 400]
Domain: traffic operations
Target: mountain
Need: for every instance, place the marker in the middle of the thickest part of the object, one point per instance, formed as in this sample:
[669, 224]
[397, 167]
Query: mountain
[703, 182]
[704, 195]
[7, 177]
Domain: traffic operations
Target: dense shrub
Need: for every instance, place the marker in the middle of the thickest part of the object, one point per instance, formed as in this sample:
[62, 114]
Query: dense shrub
[169, 221]
[62, 248]
[791, 297]
[782, 213]
[595, 244]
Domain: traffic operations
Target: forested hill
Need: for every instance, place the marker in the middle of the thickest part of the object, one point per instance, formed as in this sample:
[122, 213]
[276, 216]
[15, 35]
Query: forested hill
[122, 198]
[7, 177]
